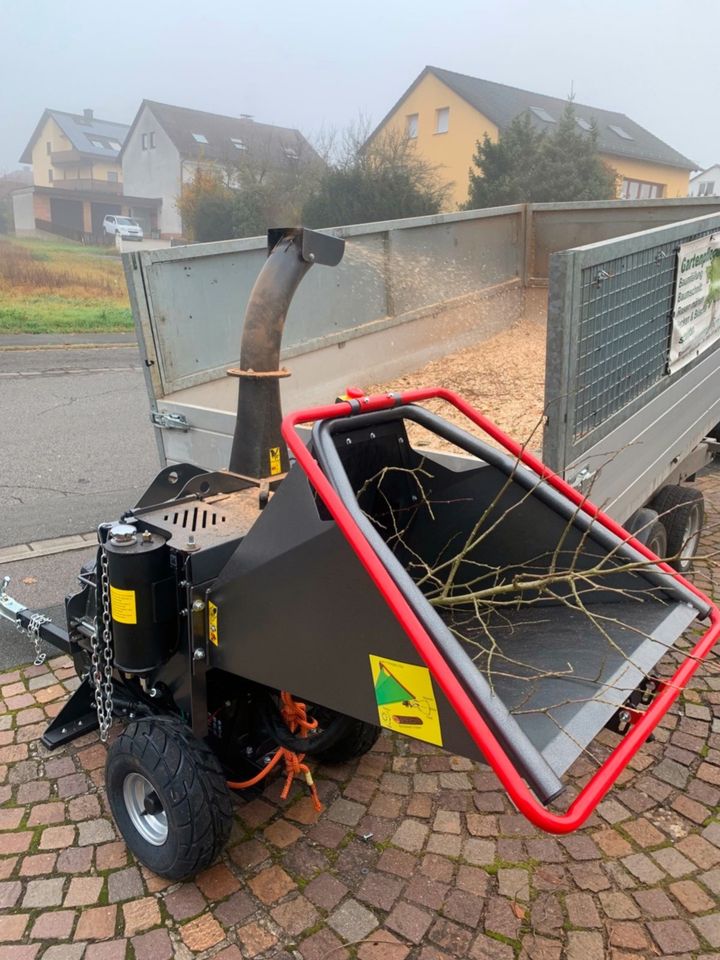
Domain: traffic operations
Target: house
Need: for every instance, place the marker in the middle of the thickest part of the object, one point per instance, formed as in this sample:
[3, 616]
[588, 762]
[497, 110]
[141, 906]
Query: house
[166, 144]
[446, 113]
[706, 183]
[76, 177]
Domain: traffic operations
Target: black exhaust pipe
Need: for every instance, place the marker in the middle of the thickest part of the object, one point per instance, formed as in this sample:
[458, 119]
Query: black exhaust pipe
[258, 450]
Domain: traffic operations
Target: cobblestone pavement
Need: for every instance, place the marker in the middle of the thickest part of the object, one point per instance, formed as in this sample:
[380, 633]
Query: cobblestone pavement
[449, 869]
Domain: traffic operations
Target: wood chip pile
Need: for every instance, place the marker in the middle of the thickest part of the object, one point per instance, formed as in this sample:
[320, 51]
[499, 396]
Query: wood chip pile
[504, 377]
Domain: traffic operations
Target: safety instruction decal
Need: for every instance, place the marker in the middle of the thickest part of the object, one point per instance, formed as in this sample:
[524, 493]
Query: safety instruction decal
[122, 605]
[275, 464]
[405, 699]
[213, 623]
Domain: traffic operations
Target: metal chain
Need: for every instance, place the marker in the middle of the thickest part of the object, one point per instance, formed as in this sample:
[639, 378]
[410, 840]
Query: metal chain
[33, 631]
[102, 654]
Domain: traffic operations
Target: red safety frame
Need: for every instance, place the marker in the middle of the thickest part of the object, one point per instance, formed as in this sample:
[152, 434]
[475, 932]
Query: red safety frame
[521, 795]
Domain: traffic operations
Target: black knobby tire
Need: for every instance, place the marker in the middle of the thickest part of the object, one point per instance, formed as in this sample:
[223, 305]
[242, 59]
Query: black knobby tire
[339, 738]
[187, 784]
[657, 539]
[682, 512]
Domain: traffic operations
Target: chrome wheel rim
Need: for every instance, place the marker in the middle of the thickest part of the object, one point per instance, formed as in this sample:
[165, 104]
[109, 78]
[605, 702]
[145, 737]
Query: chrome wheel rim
[144, 809]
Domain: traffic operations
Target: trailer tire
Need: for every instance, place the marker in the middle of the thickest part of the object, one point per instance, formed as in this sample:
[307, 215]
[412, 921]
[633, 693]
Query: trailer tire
[682, 512]
[168, 796]
[646, 526]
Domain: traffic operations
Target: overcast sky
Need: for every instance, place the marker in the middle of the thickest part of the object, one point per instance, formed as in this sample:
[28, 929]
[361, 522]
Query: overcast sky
[315, 63]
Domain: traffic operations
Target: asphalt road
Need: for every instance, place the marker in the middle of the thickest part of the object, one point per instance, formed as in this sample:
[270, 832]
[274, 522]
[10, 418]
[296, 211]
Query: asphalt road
[77, 449]
[76, 441]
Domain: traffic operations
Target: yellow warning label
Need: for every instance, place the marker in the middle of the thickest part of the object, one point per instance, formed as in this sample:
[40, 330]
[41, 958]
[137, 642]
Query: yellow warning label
[405, 699]
[122, 605]
[213, 623]
[275, 466]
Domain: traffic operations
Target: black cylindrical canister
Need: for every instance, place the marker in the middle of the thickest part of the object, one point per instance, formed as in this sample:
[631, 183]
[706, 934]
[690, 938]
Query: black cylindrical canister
[143, 599]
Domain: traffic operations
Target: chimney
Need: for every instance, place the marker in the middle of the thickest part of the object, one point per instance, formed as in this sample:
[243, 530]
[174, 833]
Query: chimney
[87, 115]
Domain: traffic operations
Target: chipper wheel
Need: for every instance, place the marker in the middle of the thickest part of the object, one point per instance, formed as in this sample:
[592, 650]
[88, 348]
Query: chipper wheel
[168, 795]
[337, 739]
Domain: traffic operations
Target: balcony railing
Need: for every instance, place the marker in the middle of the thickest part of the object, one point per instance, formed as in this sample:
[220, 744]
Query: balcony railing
[89, 185]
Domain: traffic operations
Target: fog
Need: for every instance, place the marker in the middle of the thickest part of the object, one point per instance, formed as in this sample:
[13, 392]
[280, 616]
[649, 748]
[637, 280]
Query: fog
[318, 64]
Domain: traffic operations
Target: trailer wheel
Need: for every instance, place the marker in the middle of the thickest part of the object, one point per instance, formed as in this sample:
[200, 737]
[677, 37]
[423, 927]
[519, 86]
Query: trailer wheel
[682, 512]
[168, 795]
[646, 526]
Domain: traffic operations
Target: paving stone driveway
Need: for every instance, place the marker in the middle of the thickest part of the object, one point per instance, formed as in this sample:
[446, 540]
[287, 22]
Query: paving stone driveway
[416, 848]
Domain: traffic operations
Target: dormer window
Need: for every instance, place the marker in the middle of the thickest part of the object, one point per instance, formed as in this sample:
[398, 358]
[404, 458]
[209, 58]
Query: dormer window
[291, 153]
[238, 144]
[620, 132]
[583, 124]
[542, 114]
[200, 138]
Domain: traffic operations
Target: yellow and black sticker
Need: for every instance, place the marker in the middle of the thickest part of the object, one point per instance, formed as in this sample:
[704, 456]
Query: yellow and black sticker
[122, 605]
[213, 623]
[275, 464]
[405, 699]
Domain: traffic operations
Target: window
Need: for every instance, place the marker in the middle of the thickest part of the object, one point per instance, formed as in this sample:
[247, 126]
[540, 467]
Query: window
[411, 127]
[641, 190]
[291, 153]
[151, 136]
[238, 144]
[115, 144]
[144, 141]
[148, 140]
[96, 142]
[48, 148]
[50, 175]
[112, 176]
[442, 120]
[542, 114]
[706, 188]
[583, 124]
[200, 138]
[620, 132]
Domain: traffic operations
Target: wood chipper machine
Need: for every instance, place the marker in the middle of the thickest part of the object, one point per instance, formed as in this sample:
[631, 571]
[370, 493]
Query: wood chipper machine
[340, 577]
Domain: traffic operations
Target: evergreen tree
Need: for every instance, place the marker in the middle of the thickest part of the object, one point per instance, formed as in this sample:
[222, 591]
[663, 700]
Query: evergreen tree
[508, 167]
[526, 165]
[570, 168]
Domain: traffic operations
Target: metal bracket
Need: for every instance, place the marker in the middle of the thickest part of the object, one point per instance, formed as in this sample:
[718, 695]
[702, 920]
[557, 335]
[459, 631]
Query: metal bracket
[169, 421]
[583, 479]
[9, 608]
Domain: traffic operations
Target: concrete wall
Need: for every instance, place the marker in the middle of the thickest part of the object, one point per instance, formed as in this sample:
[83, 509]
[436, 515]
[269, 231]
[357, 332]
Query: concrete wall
[154, 172]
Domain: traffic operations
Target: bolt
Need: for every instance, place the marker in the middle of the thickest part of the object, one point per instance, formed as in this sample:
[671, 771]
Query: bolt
[198, 606]
[191, 545]
[147, 536]
[199, 654]
[154, 692]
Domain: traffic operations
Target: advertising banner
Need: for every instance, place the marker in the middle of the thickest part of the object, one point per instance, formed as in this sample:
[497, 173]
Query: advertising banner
[696, 310]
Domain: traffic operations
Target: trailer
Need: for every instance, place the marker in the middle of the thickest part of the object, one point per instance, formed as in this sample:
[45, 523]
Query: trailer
[333, 579]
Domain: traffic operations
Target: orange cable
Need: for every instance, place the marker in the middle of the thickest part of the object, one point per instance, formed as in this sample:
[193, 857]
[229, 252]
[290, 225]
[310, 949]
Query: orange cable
[294, 714]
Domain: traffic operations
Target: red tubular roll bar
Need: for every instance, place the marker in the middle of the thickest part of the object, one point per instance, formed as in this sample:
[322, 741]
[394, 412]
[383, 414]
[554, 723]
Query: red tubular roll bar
[523, 798]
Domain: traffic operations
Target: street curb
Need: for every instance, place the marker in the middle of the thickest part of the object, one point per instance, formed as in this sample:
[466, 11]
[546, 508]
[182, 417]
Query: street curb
[45, 548]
